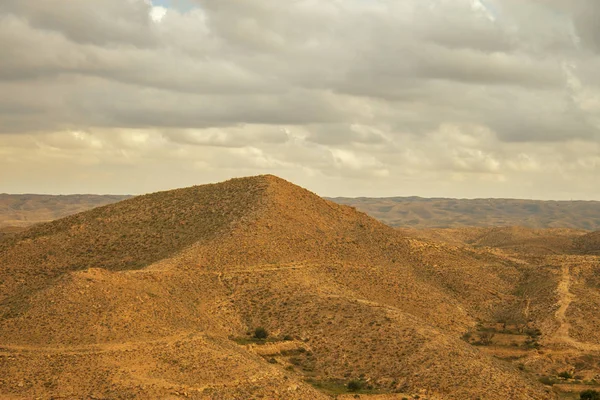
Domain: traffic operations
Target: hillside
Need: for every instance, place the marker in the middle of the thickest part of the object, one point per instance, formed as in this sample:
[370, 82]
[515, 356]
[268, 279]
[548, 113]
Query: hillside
[405, 212]
[511, 238]
[157, 297]
[588, 243]
[417, 212]
[21, 210]
[10, 230]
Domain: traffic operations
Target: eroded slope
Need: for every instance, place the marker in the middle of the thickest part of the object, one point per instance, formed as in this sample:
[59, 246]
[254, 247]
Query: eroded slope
[154, 297]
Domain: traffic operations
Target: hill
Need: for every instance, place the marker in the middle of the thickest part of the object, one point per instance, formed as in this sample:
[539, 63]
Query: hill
[511, 238]
[588, 243]
[158, 296]
[22, 210]
[405, 212]
[414, 212]
[417, 212]
[10, 230]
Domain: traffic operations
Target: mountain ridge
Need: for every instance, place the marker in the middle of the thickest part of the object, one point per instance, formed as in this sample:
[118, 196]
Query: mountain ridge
[417, 212]
[23, 210]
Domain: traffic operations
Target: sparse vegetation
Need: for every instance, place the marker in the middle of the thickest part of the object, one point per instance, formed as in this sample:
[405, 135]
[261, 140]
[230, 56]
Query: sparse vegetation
[547, 380]
[589, 395]
[485, 338]
[340, 314]
[261, 333]
[354, 385]
[455, 213]
[295, 361]
[23, 210]
[565, 375]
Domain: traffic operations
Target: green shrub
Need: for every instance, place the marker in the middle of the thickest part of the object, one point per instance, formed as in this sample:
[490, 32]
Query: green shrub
[534, 333]
[565, 375]
[295, 360]
[354, 385]
[486, 338]
[589, 395]
[546, 380]
[261, 333]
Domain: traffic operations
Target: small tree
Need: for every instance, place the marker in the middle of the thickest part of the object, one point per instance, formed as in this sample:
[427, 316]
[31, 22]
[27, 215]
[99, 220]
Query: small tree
[261, 333]
[486, 338]
[565, 375]
[354, 386]
[589, 395]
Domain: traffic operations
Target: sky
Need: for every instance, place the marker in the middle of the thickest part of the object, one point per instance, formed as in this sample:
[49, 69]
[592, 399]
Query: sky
[435, 98]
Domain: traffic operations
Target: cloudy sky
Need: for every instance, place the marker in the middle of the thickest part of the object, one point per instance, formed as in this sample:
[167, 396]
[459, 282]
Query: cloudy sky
[453, 98]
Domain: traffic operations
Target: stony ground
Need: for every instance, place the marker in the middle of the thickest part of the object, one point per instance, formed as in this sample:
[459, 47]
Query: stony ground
[23, 210]
[158, 297]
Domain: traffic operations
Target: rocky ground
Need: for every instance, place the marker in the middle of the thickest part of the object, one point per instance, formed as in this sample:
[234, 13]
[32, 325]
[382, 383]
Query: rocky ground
[159, 297]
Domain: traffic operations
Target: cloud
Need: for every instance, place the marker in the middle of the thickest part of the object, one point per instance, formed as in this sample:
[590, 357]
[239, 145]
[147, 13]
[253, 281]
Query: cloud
[157, 13]
[585, 18]
[420, 93]
[108, 23]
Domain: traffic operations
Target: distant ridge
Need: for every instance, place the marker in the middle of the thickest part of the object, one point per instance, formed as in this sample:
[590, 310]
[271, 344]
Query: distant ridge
[22, 210]
[417, 212]
[407, 212]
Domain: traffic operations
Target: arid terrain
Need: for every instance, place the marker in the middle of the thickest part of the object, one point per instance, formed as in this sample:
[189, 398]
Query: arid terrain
[414, 212]
[418, 212]
[170, 296]
[22, 210]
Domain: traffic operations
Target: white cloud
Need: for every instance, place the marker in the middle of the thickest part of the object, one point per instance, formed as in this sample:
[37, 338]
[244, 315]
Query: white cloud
[480, 5]
[157, 13]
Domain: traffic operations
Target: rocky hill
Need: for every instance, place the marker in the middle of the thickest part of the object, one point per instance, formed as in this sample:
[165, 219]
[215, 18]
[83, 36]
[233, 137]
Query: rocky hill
[417, 212]
[160, 296]
[588, 243]
[22, 210]
[404, 212]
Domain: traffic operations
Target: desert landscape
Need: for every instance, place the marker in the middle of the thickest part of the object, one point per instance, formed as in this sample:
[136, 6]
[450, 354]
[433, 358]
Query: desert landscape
[302, 200]
[257, 288]
[22, 210]
[418, 212]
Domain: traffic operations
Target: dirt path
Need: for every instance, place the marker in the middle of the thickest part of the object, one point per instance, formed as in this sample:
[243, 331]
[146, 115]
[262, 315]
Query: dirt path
[100, 347]
[527, 307]
[565, 298]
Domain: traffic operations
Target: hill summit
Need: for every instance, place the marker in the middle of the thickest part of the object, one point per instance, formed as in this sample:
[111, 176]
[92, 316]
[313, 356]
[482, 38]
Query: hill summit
[273, 219]
[159, 296]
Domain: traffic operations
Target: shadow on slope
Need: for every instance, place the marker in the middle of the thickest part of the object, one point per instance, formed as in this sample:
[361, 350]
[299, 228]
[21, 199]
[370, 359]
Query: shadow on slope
[216, 261]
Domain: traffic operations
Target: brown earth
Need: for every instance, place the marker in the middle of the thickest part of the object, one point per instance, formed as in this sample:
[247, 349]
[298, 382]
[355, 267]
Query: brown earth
[417, 212]
[588, 243]
[406, 212]
[157, 297]
[22, 210]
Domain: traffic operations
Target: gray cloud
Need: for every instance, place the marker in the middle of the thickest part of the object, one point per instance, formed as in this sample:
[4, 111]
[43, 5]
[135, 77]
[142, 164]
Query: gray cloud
[431, 94]
[586, 15]
[108, 23]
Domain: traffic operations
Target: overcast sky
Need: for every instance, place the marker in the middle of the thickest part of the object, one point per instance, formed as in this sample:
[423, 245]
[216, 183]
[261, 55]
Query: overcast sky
[452, 98]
